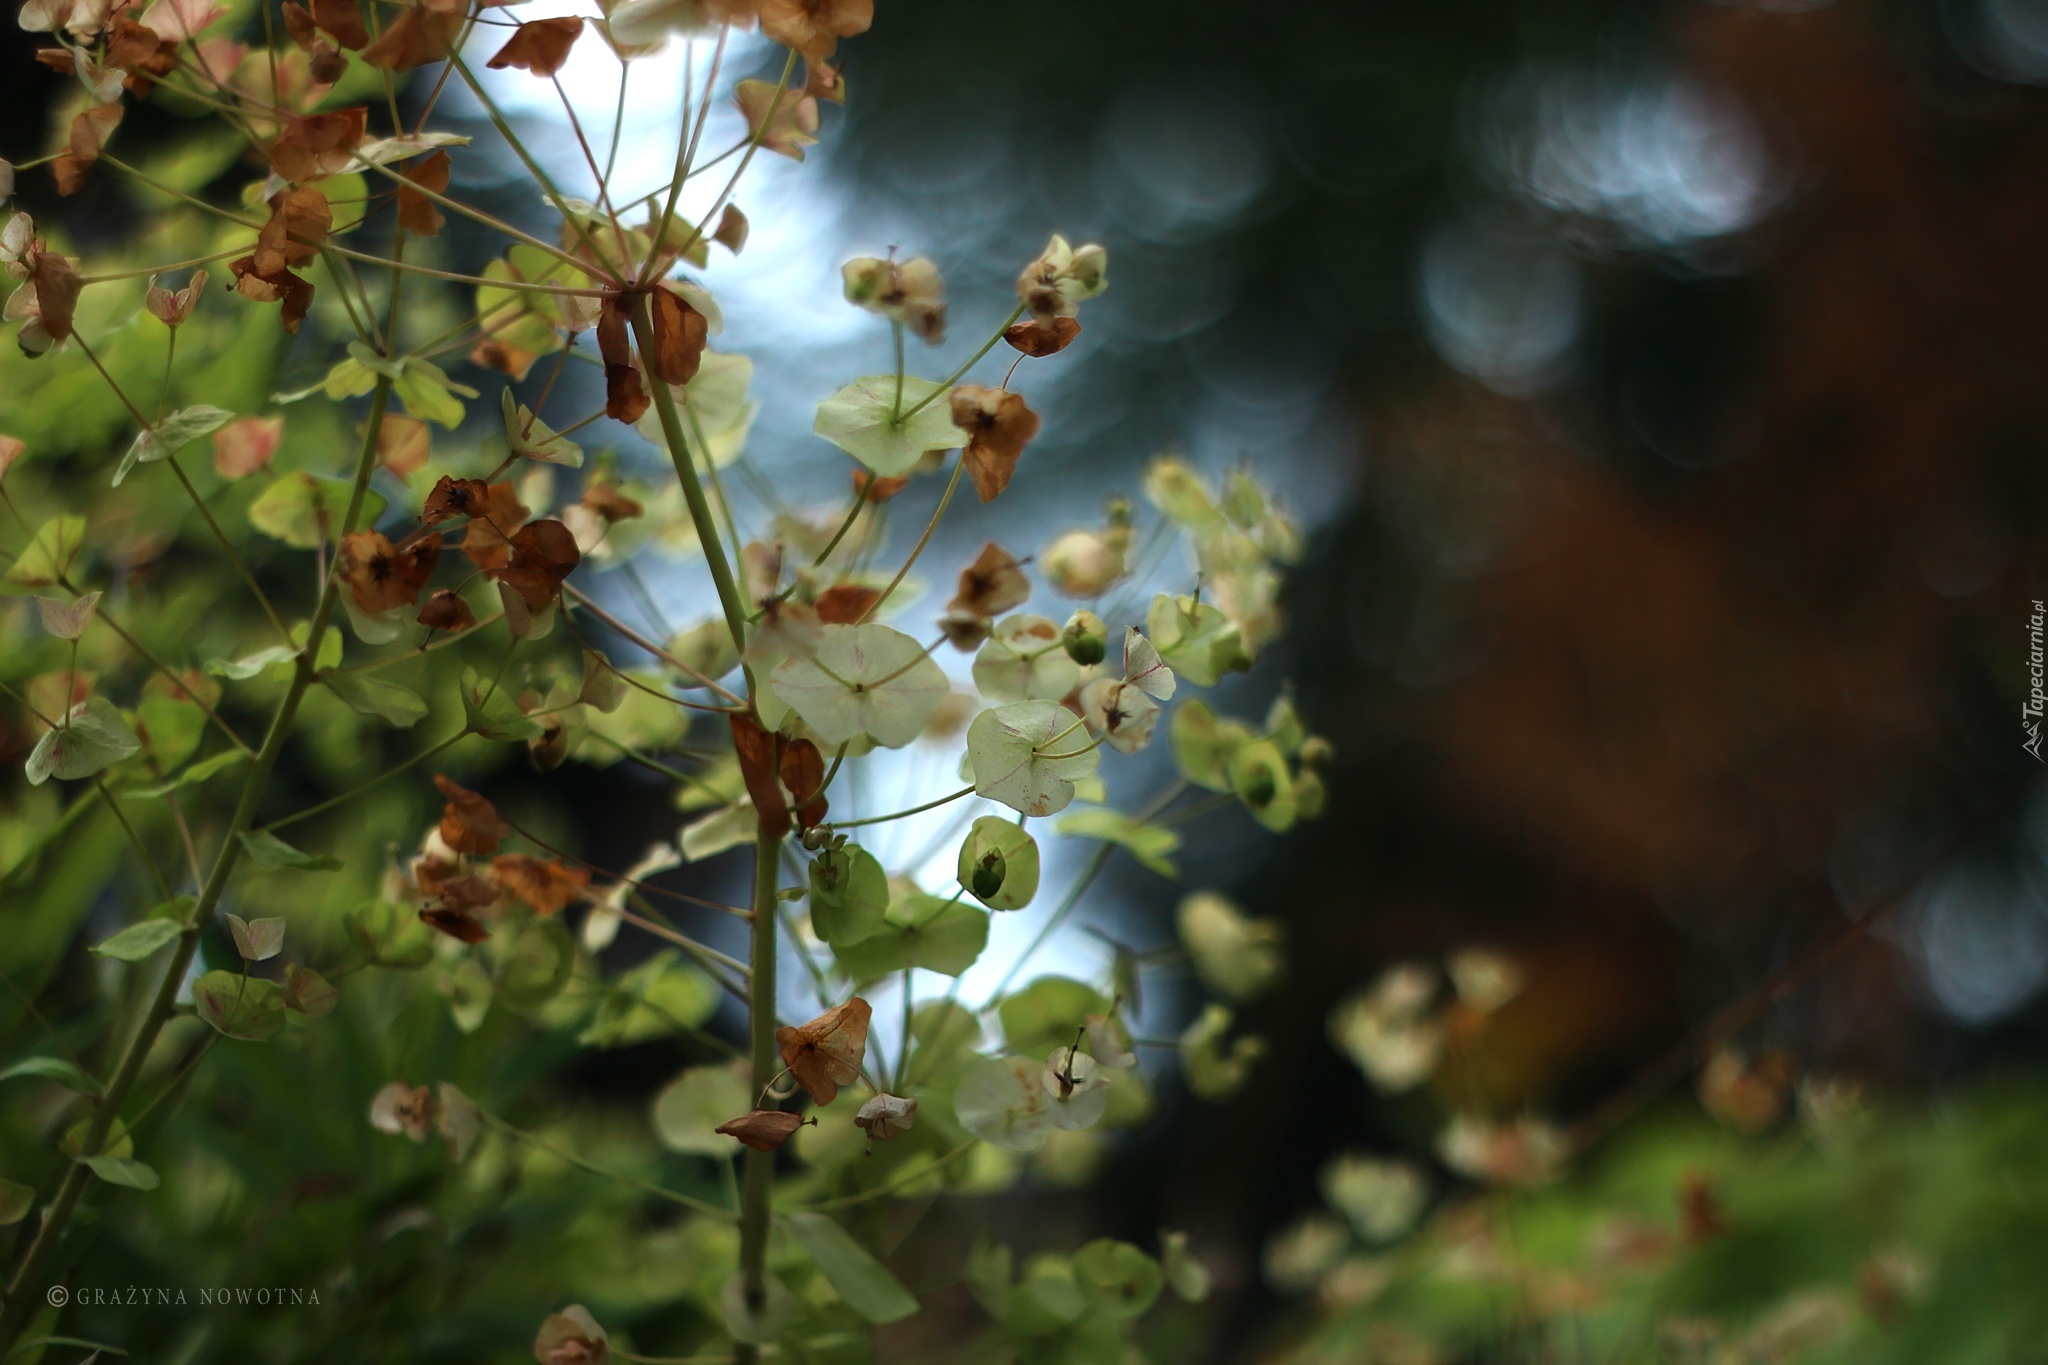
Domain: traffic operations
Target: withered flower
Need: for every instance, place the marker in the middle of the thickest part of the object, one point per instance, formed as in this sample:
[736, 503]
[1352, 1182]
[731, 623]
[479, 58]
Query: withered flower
[785, 121]
[297, 228]
[992, 584]
[173, 308]
[455, 498]
[845, 603]
[571, 1337]
[540, 45]
[1035, 338]
[964, 630]
[542, 556]
[488, 540]
[910, 292]
[826, 1053]
[382, 578]
[318, 144]
[885, 1116]
[343, 21]
[446, 610]
[424, 32]
[603, 497]
[625, 398]
[999, 426]
[547, 884]
[469, 822]
[90, 130]
[814, 27]
[325, 61]
[871, 487]
[404, 444]
[731, 232]
[680, 332]
[416, 212]
[401, 1108]
[763, 1129]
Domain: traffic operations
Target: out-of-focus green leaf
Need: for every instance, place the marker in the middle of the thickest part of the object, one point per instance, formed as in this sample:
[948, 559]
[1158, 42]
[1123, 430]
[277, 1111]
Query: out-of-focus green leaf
[864, 1282]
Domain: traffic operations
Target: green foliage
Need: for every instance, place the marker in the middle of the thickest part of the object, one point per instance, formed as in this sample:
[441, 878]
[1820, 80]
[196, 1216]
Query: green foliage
[280, 641]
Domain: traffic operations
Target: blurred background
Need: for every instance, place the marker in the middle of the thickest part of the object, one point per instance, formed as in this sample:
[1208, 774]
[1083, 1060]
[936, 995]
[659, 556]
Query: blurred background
[1663, 391]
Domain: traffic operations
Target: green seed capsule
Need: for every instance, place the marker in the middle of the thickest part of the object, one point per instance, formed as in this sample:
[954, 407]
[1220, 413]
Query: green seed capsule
[989, 874]
[1086, 639]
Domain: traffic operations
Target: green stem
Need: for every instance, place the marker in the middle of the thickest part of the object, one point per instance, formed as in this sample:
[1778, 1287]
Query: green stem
[959, 467]
[693, 488]
[946, 384]
[757, 1195]
[331, 802]
[234, 558]
[898, 815]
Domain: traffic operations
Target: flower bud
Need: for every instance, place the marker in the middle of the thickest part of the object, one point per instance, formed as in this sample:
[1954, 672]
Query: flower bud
[1317, 754]
[1086, 638]
[910, 292]
[1084, 563]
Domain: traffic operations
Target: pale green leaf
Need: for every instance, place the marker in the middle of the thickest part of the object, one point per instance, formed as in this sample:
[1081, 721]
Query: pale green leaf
[140, 940]
[1236, 956]
[867, 679]
[1024, 660]
[194, 775]
[95, 738]
[120, 1170]
[492, 710]
[65, 1073]
[257, 940]
[864, 1282]
[172, 435]
[689, 1108]
[300, 509]
[16, 1200]
[1029, 754]
[372, 696]
[1001, 1101]
[863, 419]
[48, 556]
[1195, 638]
[918, 931]
[849, 895]
[1120, 1280]
[527, 435]
[246, 1007]
[1152, 845]
[267, 850]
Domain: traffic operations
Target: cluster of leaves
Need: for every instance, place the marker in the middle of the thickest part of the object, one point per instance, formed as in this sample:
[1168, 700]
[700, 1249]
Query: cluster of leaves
[1854, 1234]
[467, 579]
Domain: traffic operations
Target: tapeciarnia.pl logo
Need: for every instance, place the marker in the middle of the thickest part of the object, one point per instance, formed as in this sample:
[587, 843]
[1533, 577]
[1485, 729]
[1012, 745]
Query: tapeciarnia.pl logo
[2037, 699]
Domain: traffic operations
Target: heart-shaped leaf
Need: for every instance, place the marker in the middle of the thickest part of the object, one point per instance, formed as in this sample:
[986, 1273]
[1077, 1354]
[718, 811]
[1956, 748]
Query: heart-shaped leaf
[95, 738]
[849, 895]
[121, 1170]
[267, 850]
[1028, 755]
[257, 940]
[865, 420]
[864, 1282]
[172, 435]
[140, 941]
[246, 1007]
[868, 679]
[372, 696]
